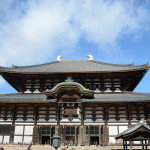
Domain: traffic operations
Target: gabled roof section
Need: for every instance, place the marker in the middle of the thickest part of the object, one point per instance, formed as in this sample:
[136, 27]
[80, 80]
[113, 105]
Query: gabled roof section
[68, 85]
[74, 66]
[132, 129]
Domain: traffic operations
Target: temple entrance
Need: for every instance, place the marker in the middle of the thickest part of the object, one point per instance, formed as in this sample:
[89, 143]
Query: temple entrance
[70, 140]
[45, 139]
[94, 140]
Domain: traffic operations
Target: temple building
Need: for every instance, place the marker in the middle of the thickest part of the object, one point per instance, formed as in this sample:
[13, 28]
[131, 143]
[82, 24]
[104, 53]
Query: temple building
[83, 101]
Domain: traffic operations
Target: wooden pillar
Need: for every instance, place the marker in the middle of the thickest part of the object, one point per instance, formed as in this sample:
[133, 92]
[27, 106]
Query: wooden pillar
[13, 113]
[89, 134]
[58, 116]
[64, 134]
[100, 142]
[130, 145]
[123, 144]
[102, 84]
[142, 145]
[146, 144]
[126, 145]
[105, 128]
[35, 129]
[75, 139]
[82, 135]
[106, 136]
[129, 115]
[147, 116]
[82, 130]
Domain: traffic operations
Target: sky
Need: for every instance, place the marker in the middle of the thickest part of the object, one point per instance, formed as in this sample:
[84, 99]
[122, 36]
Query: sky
[37, 31]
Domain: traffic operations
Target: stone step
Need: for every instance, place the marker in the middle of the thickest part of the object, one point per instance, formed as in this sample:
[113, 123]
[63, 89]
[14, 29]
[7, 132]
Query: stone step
[48, 147]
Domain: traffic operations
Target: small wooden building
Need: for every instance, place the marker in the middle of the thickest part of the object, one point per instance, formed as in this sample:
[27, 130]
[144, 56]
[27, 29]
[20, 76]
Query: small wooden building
[85, 101]
[139, 132]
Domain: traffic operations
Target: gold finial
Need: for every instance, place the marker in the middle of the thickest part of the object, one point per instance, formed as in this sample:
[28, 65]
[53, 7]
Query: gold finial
[69, 79]
[59, 58]
[90, 57]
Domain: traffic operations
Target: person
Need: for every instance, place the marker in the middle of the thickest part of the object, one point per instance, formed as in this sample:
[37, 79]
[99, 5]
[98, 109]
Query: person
[96, 143]
[64, 148]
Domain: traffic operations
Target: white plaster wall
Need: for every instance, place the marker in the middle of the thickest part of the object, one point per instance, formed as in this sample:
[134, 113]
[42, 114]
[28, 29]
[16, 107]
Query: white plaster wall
[1, 138]
[28, 130]
[112, 140]
[136, 142]
[88, 120]
[42, 116]
[69, 124]
[52, 119]
[113, 130]
[29, 119]
[6, 139]
[5, 123]
[123, 119]
[27, 139]
[19, 130]
[29, 115]
[19, 119]
[17, 139]
[122, 128]
[96, 123]
[118, 123]
[112, 120]
[88, 115]
[76, 120]
[52, 115]
[100, 120]
[99, 115]
[42, 119]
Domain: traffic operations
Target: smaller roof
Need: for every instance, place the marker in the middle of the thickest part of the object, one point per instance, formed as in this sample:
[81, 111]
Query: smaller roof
[71, 85]
[132, 129]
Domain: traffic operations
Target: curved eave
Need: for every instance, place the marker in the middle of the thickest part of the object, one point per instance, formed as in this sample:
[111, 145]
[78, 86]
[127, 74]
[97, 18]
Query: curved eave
[70, 85]
[116, 71]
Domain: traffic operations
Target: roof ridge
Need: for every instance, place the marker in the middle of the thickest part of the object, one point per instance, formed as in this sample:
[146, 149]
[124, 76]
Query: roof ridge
[18, 67]
[120, 65]
[81, 60]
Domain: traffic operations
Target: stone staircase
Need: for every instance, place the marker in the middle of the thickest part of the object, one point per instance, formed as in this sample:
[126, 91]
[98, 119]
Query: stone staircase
[48, 147]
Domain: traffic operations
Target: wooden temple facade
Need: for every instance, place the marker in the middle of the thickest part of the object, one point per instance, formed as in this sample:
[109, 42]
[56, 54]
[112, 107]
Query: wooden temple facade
[84, 101]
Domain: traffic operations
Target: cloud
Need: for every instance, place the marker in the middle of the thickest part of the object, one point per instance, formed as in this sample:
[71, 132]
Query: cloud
[34, 31]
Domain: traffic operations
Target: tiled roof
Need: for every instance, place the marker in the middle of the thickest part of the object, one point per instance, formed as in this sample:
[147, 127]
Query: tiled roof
[119, 97]
[132, 129]
[73, 66]
[24, 98]
[100, 98]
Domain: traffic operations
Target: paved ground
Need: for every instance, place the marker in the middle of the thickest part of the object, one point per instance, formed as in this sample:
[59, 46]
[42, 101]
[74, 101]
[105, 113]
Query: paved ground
[47, 147]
